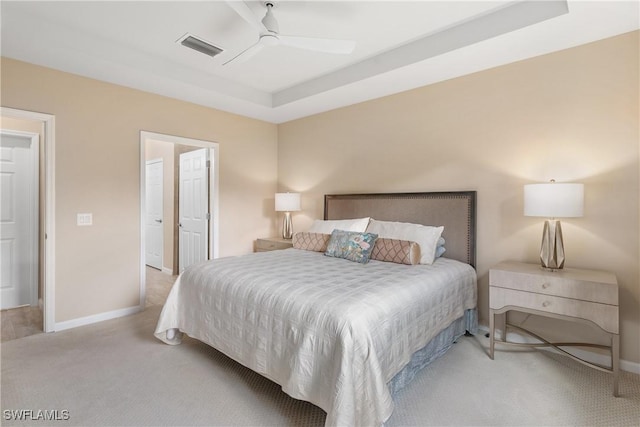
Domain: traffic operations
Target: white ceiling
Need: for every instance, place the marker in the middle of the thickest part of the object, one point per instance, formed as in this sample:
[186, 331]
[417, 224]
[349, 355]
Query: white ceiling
[400, 45]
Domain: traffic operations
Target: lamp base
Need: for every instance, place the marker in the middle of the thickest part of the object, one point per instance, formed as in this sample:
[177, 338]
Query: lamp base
[287, 227]
[552, 248]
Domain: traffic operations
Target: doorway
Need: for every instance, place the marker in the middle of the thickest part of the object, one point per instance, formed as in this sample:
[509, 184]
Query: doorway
[45, 228]
[178, 241]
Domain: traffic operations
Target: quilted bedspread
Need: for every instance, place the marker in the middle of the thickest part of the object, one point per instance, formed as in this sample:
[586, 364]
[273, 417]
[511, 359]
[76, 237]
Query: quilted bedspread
[329, 331]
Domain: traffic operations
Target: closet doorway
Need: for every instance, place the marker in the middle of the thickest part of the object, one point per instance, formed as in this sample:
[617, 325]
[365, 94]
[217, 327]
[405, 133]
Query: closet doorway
[185, 220]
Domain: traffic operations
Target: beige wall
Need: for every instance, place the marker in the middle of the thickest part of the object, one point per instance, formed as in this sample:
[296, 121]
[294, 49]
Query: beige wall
[570, 115]
[98, 170]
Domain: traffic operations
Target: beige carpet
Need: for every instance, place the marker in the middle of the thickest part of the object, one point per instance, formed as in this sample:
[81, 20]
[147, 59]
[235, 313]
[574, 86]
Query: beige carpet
[117, 374]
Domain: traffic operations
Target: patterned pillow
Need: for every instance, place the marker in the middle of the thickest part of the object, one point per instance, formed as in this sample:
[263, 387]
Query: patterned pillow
[398, 251]
[424, 235]
[351, 245]
[311, 241]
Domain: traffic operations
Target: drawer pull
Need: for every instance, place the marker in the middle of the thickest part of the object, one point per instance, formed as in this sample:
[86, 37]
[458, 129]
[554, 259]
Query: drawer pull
[545, 285]
[546, 303]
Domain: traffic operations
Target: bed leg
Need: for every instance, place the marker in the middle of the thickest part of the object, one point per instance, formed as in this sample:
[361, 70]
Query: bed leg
[466, 334]
[171, 334]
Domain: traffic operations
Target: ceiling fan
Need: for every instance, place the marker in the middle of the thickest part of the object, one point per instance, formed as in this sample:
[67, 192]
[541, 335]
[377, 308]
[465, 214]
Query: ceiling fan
[269, 35]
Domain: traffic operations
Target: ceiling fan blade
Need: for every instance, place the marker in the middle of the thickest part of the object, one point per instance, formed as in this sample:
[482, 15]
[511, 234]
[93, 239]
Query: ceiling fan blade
[245, 13]
[319, 45]
[246, 54]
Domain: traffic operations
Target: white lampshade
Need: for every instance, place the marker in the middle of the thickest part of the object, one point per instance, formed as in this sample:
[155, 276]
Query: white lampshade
[554, 200]
[287, 202]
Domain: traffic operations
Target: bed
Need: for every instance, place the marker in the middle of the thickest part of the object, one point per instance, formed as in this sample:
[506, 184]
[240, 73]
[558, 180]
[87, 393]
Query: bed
[342, 335]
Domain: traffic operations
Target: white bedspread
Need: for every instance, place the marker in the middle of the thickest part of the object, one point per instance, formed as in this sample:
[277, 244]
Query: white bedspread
[329, 331]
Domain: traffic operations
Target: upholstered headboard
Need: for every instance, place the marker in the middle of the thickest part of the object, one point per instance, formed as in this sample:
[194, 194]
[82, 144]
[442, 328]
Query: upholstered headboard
[455, 210]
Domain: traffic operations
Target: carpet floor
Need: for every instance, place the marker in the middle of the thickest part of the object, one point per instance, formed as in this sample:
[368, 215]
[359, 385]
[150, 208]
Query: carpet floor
[115, 373]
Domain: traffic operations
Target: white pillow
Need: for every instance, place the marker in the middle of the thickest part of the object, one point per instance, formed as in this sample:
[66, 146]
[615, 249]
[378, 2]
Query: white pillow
[424, 235]
[327, 227]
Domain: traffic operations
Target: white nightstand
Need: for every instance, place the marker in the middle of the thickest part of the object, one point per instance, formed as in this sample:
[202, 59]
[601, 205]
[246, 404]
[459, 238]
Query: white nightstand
[273, 244]
[586, 296]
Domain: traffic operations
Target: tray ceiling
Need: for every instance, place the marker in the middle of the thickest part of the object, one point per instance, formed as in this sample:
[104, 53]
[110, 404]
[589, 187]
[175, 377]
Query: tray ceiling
[399, 45]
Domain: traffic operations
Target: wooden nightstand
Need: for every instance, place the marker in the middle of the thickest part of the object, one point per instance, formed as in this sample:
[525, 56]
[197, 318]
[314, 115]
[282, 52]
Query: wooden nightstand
[272, 244]
[586, 296]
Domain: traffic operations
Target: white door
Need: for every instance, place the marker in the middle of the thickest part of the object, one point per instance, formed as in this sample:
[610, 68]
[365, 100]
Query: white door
[193, 208]
[18, 219]
[154, 241]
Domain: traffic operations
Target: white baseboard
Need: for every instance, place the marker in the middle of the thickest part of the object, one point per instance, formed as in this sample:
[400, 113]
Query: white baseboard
[167, 270]
[599, 359]
[88, 320]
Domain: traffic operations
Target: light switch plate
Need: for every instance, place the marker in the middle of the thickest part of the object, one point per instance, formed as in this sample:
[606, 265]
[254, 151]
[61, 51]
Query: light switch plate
[85, 219]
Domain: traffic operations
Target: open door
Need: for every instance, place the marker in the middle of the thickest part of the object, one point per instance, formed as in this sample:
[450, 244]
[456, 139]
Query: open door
[193, 208]
[154, 203]
[19, 219]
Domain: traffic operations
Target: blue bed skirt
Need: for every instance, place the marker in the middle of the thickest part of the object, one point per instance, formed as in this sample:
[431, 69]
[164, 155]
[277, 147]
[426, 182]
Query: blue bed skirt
[434, 349]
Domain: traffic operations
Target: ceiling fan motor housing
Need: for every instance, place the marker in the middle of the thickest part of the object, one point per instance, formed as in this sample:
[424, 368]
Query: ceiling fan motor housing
[269, 40]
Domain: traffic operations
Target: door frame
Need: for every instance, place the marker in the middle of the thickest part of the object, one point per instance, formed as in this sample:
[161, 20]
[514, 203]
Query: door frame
[34, 205]
[213, 195]
[48, 138]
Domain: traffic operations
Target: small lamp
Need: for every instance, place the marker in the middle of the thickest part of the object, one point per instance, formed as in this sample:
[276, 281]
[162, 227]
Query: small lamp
[287, 203]
[553, 200]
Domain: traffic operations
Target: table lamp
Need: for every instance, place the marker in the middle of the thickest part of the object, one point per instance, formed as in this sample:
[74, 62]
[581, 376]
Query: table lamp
[553, 200]
[287, 203]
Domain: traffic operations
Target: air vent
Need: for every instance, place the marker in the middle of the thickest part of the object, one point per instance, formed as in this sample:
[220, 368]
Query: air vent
[200, 45]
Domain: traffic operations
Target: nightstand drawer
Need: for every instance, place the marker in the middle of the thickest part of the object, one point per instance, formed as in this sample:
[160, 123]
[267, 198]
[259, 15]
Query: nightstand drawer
[600, 287]
[603, 315]
[272, 244]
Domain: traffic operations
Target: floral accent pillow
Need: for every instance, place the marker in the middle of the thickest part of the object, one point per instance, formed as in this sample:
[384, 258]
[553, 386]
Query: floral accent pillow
[311, 241]
[351, 245]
